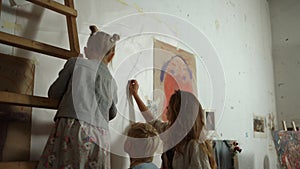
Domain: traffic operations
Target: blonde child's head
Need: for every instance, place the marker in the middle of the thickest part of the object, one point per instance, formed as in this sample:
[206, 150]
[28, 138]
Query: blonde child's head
[100, 45]
[142, 142]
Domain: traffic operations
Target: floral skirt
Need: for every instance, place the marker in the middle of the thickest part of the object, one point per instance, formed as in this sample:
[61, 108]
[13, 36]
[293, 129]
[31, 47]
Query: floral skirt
[73, 144]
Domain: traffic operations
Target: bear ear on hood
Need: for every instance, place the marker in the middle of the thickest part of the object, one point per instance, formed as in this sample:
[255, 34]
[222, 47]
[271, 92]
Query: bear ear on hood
[115, 38]
[93, 29]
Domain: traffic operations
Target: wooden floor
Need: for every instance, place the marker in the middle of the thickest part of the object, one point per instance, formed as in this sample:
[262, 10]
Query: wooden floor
[19, 165]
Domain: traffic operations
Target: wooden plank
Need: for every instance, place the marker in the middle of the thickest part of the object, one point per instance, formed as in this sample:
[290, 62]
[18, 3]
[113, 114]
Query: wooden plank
[36, 46]
[72, 29]
[19, 165]
[27, 100]
[55, 6]
[16, 75]
[0, 7]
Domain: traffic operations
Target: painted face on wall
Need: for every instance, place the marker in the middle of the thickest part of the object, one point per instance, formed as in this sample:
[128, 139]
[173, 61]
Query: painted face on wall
[175, 75]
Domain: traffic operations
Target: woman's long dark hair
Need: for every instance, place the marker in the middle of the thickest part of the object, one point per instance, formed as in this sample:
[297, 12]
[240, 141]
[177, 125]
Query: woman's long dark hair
[185, 110]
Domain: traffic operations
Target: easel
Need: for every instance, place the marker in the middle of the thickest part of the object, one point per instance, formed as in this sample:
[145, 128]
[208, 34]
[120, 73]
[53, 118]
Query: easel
[294, 128]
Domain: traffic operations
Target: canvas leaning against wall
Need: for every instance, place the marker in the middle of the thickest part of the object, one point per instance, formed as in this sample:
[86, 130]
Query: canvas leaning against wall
[287, 144]
[16, 75]
[174, 69]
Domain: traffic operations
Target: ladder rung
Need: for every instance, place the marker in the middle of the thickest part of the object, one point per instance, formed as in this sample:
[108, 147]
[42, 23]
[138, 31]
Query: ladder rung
[19, 165]
[36, 46]
[55, 6]
[27, 100]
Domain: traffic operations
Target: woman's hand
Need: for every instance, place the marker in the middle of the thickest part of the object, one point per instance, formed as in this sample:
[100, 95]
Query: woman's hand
[133, 87]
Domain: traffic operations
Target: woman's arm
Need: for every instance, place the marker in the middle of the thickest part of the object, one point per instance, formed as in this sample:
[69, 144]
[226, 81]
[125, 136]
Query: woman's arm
[133, 88]
[157, 124]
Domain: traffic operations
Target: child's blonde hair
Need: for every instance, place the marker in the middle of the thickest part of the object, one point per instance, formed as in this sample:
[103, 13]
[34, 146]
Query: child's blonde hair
[144, 141]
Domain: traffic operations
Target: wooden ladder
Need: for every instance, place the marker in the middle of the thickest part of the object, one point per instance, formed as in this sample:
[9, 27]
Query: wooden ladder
[66, 9]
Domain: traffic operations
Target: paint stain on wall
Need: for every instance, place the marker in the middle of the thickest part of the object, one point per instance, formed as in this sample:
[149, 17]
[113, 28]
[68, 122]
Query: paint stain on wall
[178, 7]
[230, 3]
[135, 5]
[138, 8]
[270, 92]
[217, 24]
[246, 134]
[123, 2]
[12, 26]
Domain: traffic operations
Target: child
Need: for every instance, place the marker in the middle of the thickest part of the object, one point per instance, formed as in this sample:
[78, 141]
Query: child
[88, 94]
[181, 134]
[141, 143]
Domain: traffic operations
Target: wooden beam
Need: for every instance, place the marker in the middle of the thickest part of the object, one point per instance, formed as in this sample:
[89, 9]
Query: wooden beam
[36, 46]
[72, 29]
[0, 7]
[19, 165]
[27, 100]
[55, 6]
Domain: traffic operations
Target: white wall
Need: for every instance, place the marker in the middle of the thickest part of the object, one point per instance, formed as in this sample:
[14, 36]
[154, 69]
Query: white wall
[231, 39]
[286, 51]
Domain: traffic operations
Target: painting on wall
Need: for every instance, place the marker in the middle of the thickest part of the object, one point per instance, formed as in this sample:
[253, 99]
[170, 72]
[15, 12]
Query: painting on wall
[210, 119]
[174, 69]
[16, 75]
[259, 126]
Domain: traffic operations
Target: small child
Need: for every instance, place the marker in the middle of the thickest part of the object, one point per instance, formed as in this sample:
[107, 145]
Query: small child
[88, 96]
[141, 143]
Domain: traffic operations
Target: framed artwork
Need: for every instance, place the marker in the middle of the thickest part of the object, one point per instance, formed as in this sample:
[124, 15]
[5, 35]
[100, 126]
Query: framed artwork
[210, 119]
[174, 69]
[259, 126]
